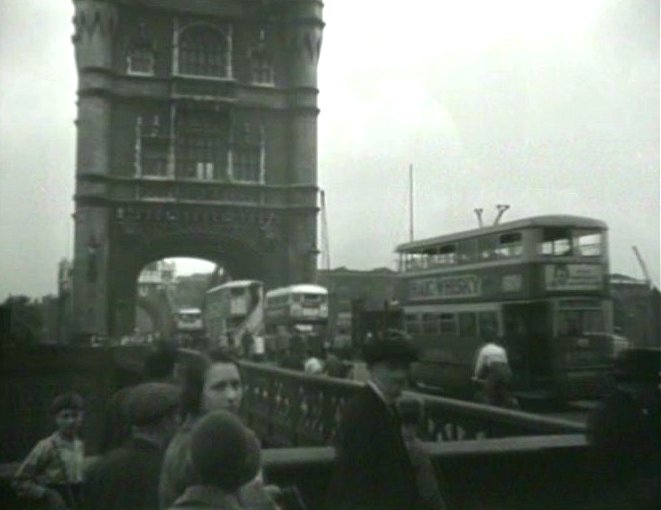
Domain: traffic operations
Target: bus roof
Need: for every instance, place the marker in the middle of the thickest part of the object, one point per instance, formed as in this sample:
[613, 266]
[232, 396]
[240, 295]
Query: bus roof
[535, 221]
[189, 310]
[235, 284]
[303, 288]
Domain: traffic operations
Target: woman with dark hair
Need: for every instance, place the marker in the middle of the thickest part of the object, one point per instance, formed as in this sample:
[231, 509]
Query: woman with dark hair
[211, 383]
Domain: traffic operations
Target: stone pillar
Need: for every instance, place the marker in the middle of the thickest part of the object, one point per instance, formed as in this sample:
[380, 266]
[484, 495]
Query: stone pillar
[95, 23]
[304, 32]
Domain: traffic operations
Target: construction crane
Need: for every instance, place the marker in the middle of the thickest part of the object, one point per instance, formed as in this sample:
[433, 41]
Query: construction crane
[643, 267]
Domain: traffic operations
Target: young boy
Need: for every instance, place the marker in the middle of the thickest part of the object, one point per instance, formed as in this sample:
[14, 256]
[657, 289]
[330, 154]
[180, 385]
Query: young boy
[53, 471]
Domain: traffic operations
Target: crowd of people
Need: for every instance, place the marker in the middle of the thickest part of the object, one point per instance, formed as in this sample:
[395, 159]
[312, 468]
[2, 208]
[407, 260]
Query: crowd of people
[179, 443]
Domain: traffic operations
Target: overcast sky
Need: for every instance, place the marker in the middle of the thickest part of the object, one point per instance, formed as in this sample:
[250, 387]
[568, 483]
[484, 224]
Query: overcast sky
[550, 107]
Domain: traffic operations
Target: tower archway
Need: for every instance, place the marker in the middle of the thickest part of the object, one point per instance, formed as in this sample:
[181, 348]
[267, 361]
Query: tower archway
[193, 162]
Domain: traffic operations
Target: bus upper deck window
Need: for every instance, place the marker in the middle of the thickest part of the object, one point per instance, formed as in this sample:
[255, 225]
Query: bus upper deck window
[556, 241]
[447, 254]
[588, 244]
[509, 245]
[467, 251]
[487, 247]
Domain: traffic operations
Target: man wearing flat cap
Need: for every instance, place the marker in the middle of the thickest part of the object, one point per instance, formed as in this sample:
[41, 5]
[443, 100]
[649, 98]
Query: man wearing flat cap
[373, 470]
[127, 477]
[625, 434]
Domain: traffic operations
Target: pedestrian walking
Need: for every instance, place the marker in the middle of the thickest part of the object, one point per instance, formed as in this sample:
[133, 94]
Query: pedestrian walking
[373, 470]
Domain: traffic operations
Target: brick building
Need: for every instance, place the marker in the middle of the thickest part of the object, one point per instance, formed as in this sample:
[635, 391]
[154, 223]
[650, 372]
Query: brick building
[636, 310]
[352, 293]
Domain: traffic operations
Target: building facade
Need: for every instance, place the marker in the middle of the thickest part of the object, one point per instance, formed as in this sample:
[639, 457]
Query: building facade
[197, 137]
[636, 310]
[355, 297]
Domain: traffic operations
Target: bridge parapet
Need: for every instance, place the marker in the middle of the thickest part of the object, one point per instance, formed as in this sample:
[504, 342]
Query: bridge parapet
[505, 474]
[290, 408]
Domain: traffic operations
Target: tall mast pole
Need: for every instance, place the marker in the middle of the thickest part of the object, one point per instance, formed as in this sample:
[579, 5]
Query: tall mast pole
[325, 244]
[410, 202]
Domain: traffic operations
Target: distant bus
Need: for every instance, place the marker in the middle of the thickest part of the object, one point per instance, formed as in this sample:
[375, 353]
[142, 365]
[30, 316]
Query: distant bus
[188, 320]
[188, 327]
[296, 318]
[539, 284]
[233, 310]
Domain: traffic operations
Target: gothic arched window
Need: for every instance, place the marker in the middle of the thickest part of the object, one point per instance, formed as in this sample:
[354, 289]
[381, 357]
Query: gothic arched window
[261, 63]
[203, 52]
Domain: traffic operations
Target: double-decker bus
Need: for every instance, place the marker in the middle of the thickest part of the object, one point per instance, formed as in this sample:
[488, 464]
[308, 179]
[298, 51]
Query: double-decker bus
[188, 327]
[234, 310]
[540, 285]
[295, 319]
[188, 320]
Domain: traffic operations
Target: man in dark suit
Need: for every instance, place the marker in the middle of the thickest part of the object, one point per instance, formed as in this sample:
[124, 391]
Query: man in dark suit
[624, 433]
[127, 477]
[373, 470]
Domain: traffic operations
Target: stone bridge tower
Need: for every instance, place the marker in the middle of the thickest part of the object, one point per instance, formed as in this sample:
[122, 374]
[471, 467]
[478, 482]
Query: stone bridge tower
[197, 136]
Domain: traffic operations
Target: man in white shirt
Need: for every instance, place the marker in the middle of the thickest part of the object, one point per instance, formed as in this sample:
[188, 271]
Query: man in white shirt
[493, 374]
[490, 354]
[312, 365]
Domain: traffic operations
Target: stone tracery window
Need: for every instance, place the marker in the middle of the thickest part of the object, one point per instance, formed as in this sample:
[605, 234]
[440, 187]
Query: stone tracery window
[201, 148]
[203, 51]
[140, 54]
[248, 155]
[261, 63]
[151, 148]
